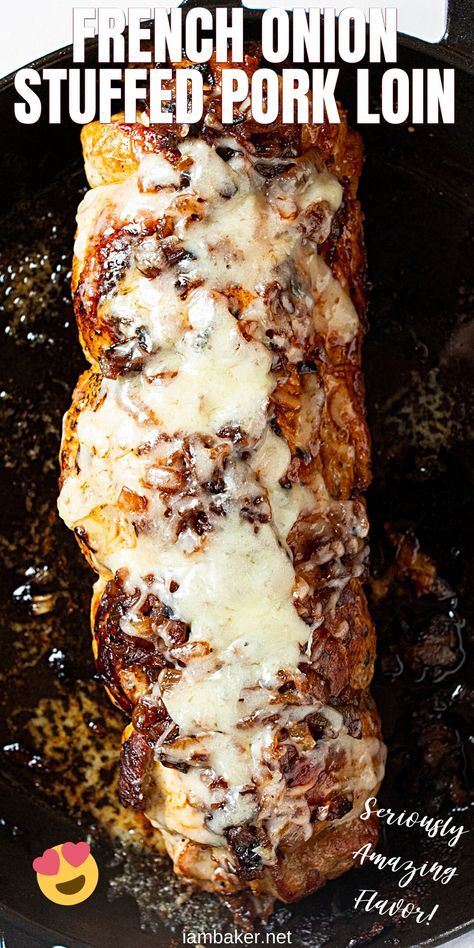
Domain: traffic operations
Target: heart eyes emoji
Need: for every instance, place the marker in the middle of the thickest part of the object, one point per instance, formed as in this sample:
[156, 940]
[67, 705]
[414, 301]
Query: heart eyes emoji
[75, 853]
[67, 874]
[48, 863]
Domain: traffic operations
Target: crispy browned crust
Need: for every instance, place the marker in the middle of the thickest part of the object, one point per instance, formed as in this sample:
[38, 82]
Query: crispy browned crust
[326, 856]
[340, 668]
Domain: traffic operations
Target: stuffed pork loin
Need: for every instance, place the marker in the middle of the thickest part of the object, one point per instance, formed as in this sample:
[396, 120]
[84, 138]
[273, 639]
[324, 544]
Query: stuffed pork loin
[213, 465]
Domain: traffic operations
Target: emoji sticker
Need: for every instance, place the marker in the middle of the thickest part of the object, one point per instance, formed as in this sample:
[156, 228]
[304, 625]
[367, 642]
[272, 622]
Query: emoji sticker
[67, 874]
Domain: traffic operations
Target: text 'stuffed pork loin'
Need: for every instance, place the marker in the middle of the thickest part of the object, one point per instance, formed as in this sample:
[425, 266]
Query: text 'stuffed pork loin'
[213, 465]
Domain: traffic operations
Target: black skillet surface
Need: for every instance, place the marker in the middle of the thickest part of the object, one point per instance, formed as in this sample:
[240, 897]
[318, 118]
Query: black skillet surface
[60, 736]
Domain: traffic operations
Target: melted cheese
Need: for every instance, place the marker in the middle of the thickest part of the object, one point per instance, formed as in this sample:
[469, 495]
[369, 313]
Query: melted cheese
[270, 462]
[155, 172]
[218, 378]
[149, 303]
[334, 313]
[234, 586]
[110, 203]
[237, 596]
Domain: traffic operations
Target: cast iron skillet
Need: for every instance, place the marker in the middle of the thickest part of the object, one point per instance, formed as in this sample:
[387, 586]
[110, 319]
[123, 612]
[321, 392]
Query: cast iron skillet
[56, 723]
